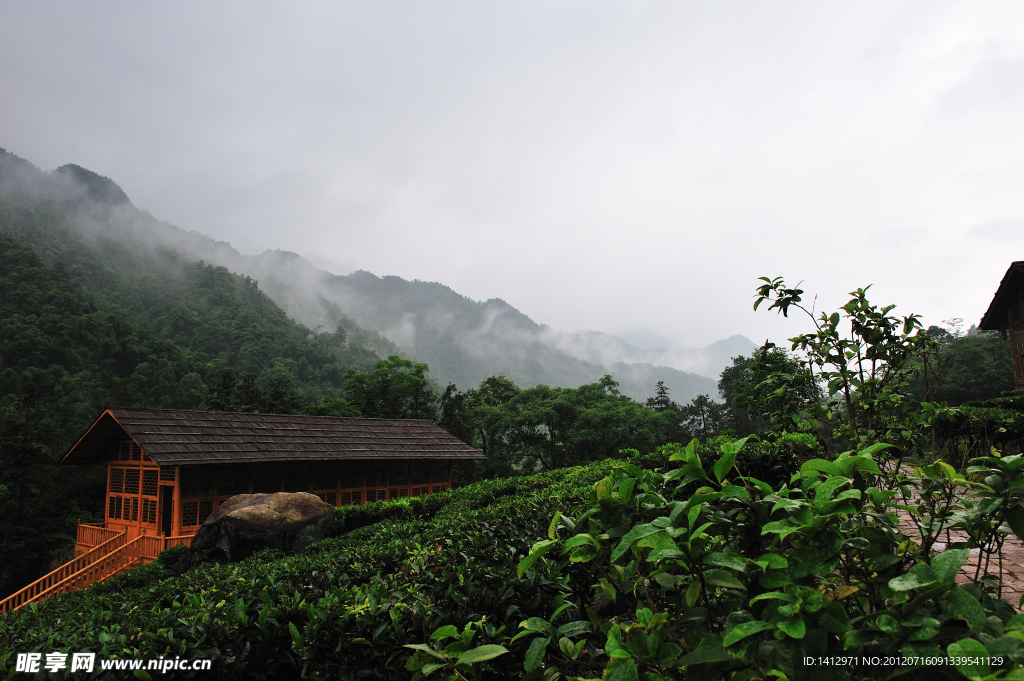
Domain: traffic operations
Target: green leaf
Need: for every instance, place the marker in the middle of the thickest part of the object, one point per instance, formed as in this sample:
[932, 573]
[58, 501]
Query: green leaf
[143, 674]
[723, 579]
[447, 631]
[969, 648]
[538, 550]
[724, 465]
[296, 635]
[919, 576]
[574, 628]
[553, 527]
[623, 671]
[425, 648]
[821, 465]
[535, 653]
[727, 560]
[772, 561]
[608, 589]
[604, 490]
[692, 593]
[626, 490]
[948, 563]
[632, 536]
[963, 605]
[481, 653]
[579, 540]
[794, 628]
[1015, 519]
[703, 656]
[744, 629]
[888, 624]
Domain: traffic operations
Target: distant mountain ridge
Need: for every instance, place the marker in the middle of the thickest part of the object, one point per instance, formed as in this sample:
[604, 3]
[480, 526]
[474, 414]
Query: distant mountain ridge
[462, 340]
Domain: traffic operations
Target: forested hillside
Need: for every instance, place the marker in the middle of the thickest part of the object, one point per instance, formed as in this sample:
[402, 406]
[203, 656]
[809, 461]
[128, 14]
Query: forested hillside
[88, 320]
[463, 341]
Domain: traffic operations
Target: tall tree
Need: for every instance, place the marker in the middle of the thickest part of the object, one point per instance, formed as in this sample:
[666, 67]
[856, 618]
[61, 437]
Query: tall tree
[397, 388]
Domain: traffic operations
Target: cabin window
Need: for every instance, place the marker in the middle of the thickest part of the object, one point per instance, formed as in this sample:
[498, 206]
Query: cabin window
[233, 481]
[150, 482]
[266, 479]
[398, 474]
[296, 479]
[168, 474]
[351, 475]
[205, 509]
[325, 476]
[420, 473]
[116, 480]
[149, 511]
[130, 451]
[195, 483]
[439, 473]
[131, 480]
[190, 513]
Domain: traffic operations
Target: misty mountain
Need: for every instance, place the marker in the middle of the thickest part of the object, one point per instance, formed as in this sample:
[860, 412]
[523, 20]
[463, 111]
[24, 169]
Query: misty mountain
[608, 350]
[462, 340]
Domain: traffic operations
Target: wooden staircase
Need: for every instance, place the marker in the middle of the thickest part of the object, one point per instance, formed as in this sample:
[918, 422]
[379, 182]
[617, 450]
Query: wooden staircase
[111, 554]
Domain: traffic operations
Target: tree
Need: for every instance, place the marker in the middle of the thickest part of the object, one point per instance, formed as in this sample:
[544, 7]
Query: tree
[864, 358]
[703, 417]
[963, 367]
[396, 389]
[765, 390]
[551, 428]
[670, 414]
[332, 406]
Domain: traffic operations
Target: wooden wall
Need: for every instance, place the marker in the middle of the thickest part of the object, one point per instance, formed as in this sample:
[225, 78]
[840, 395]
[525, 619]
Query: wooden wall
[135, 482]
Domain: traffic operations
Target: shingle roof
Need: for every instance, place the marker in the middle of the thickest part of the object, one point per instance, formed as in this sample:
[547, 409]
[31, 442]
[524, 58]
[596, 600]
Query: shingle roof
[187, 438]
[1007, 294]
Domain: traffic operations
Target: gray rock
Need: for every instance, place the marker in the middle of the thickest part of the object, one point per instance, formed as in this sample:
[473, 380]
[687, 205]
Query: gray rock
[247, 523]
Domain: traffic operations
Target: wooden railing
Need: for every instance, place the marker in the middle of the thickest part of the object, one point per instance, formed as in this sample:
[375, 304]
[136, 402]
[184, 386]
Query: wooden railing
[36, 589]
[113, 563]
[184, 540]
[112, 557]
[90, 535]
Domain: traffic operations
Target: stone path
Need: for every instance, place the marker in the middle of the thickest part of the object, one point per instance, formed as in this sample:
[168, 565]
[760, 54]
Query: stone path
[1012, 566]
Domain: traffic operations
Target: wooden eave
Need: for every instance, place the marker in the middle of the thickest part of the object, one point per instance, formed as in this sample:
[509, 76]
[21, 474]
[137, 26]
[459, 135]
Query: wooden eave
[190, 438]
[1008, 293]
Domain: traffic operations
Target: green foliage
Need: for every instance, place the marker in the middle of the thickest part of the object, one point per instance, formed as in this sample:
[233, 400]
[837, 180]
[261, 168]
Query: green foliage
[397, 388]
[347, 606]
[89, 323]
[961, 368]
[770, 385]
[332, 406]
[456, 657]
[743, 580]
[862, 360]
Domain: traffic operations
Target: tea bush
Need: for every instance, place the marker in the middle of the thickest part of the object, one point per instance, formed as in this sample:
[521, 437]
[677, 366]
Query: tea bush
[344, 608]
[743, 580]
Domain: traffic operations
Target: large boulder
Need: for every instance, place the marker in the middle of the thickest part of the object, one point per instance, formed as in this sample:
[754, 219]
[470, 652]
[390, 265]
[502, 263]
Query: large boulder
[248, 523]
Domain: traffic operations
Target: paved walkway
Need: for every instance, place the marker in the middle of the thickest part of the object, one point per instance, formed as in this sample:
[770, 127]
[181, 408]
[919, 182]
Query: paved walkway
[1012, 565]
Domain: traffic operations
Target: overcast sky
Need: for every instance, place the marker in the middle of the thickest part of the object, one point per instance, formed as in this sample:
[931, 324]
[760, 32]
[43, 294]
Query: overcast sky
[598, 165]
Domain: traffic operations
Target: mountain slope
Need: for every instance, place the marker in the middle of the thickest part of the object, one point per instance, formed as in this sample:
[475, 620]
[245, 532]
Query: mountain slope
[462, 340]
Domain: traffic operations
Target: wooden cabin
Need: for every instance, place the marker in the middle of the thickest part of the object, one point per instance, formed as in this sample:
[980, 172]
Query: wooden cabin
[168, 470]
[1006, 313]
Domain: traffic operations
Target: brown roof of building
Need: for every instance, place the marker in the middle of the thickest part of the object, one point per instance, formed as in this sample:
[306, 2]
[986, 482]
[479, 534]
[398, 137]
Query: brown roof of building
[188, 438]
[1008, 294]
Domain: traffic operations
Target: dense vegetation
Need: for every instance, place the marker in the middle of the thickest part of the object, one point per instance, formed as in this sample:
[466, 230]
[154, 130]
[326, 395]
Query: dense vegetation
[84, 326]
[734, 559]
